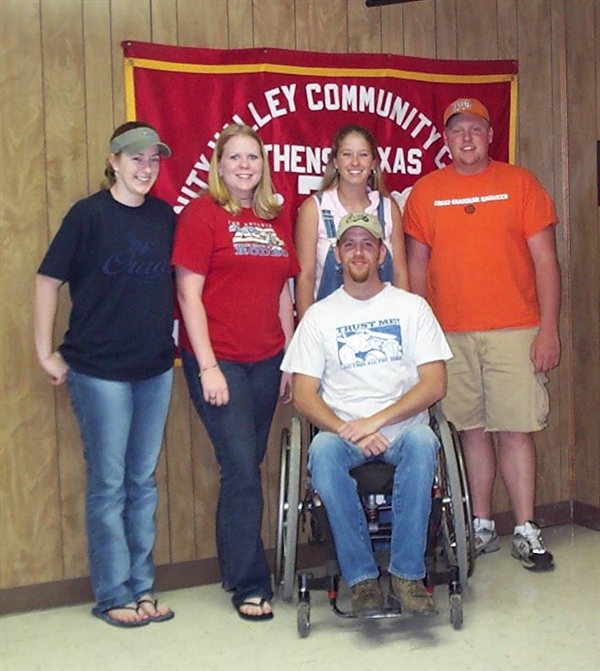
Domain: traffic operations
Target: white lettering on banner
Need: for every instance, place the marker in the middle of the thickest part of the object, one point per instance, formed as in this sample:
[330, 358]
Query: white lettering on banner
[401, 197]
[297, 159]
[274, 105]
[308, 183]
[188, 193]
[354, 98]
[258, 120]
[311, 161]
[444, 151]
[311, 102]
[405, 162]
[434, 135]
[235, 119]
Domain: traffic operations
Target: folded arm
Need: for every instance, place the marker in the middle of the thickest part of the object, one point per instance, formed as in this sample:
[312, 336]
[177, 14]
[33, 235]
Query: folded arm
[430, 388]
[365, 432]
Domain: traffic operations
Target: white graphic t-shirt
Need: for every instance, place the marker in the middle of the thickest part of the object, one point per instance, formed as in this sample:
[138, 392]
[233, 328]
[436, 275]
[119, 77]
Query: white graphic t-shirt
[366, 352]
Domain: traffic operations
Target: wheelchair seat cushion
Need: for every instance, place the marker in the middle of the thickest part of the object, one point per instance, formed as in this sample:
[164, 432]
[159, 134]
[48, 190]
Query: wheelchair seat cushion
[376, 477]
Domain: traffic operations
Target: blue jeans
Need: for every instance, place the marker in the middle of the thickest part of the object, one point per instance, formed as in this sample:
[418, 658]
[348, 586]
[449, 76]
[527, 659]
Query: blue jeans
[413, 454]
[239, 432]
[121, 425]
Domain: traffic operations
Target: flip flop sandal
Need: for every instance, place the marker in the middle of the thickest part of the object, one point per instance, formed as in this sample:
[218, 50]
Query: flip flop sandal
[159, 617]
[253, 618]
[124, 624]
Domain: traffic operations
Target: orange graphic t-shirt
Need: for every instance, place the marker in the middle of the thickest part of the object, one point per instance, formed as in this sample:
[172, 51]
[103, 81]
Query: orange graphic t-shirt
[480, 274]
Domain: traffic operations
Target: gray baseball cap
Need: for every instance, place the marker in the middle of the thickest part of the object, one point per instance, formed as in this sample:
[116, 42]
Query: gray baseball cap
[136, 140]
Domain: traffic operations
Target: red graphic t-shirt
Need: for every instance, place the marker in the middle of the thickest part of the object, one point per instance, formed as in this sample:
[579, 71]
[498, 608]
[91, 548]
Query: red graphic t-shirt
[246, 261]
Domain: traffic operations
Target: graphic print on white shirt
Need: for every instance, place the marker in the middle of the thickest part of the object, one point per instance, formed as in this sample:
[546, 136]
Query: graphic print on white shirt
[368, 343]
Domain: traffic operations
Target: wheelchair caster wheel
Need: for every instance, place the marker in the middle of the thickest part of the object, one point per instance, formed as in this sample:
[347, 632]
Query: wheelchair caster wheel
[303, 619]
[456, 611]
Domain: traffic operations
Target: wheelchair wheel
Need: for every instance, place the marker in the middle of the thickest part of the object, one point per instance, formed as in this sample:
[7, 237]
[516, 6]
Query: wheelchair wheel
[287, 518]
[457, 522]
[303, 619]
[462, 469]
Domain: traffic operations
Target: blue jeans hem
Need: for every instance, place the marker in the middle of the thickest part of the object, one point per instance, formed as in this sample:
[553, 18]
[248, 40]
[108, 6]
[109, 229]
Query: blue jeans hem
[405, 576]
[362, 579]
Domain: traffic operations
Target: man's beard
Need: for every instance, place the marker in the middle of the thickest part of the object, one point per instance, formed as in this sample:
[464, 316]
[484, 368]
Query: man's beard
[360, 276]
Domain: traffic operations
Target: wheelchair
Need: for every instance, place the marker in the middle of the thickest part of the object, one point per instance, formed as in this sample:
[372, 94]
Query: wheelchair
[450, 552]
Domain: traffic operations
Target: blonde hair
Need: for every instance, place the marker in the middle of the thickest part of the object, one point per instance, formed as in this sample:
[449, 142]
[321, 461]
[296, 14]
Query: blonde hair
[264, 203]
[331, 176]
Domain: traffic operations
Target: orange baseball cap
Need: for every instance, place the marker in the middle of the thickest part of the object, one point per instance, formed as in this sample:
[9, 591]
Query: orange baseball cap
[470, 106]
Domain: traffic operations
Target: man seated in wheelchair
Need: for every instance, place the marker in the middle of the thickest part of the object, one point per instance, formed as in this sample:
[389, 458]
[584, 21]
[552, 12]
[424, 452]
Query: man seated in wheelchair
[367, 362]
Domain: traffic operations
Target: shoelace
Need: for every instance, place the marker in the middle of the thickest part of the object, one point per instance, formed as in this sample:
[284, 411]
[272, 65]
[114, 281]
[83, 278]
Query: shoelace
[534, 539]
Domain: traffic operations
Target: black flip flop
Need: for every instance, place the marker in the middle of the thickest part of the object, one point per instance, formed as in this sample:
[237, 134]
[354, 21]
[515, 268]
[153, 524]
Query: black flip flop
[253, 618]
[106, 617]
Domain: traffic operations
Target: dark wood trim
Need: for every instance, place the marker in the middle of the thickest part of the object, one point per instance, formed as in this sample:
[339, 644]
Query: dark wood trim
[168, 577]
[586, 515]
[549, 515]
[45, 595]
[206, 571]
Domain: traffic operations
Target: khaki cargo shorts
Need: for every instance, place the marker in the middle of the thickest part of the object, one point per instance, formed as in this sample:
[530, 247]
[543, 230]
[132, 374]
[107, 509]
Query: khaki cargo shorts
[492, 383]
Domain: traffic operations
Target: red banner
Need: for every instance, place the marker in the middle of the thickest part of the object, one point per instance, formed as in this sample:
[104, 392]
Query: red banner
[297, 100]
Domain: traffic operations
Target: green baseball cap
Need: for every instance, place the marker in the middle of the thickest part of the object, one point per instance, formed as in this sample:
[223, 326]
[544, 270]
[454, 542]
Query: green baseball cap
[367, 221]
[136, 140]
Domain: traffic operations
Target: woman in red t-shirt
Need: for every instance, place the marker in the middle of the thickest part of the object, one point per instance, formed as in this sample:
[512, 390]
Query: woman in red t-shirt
[234, 256]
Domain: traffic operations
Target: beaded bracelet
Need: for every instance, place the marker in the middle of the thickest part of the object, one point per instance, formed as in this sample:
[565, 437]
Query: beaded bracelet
[208, 368]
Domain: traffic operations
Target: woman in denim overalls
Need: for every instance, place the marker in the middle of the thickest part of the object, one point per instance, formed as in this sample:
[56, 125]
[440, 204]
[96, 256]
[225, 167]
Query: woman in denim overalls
[352, 182]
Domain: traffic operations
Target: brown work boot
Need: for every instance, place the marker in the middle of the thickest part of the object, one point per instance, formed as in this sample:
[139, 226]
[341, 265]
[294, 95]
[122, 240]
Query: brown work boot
[411, 596]
[367, 597]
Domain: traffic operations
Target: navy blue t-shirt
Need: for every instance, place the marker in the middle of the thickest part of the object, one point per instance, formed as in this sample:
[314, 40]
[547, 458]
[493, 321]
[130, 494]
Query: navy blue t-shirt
[117, 262]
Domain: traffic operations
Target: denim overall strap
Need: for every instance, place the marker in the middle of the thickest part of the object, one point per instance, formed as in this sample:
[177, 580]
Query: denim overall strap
[386, 269]
[331, 278]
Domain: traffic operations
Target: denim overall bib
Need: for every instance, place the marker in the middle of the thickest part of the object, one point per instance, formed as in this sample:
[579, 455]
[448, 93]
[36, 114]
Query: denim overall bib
[331, 278]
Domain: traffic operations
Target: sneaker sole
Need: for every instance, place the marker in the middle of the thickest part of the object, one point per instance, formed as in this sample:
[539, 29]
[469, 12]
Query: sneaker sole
[543, 567]
[492, 546]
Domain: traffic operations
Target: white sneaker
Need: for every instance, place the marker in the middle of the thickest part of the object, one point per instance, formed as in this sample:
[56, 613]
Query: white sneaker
[529, 547]
[486, 536]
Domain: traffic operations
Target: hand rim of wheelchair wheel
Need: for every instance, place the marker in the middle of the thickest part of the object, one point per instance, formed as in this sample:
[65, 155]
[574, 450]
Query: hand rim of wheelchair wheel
[289, 499]
[458, 538]
[281, 506]
[466, 500]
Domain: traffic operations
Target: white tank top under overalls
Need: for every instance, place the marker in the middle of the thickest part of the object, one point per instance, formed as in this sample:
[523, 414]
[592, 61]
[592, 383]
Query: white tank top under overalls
[328, 275]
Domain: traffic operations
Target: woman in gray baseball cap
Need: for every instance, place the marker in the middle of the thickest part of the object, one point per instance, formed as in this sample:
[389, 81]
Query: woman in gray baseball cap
[113, 249]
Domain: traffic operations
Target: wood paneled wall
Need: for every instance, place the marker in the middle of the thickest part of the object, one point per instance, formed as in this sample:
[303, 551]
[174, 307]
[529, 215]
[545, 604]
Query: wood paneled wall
[62, 94]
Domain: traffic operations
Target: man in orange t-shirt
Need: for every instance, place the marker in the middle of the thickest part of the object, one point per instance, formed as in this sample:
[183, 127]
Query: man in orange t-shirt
[481, 249]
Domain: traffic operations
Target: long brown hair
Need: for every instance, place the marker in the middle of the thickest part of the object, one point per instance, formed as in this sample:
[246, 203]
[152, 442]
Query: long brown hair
[331, 176]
